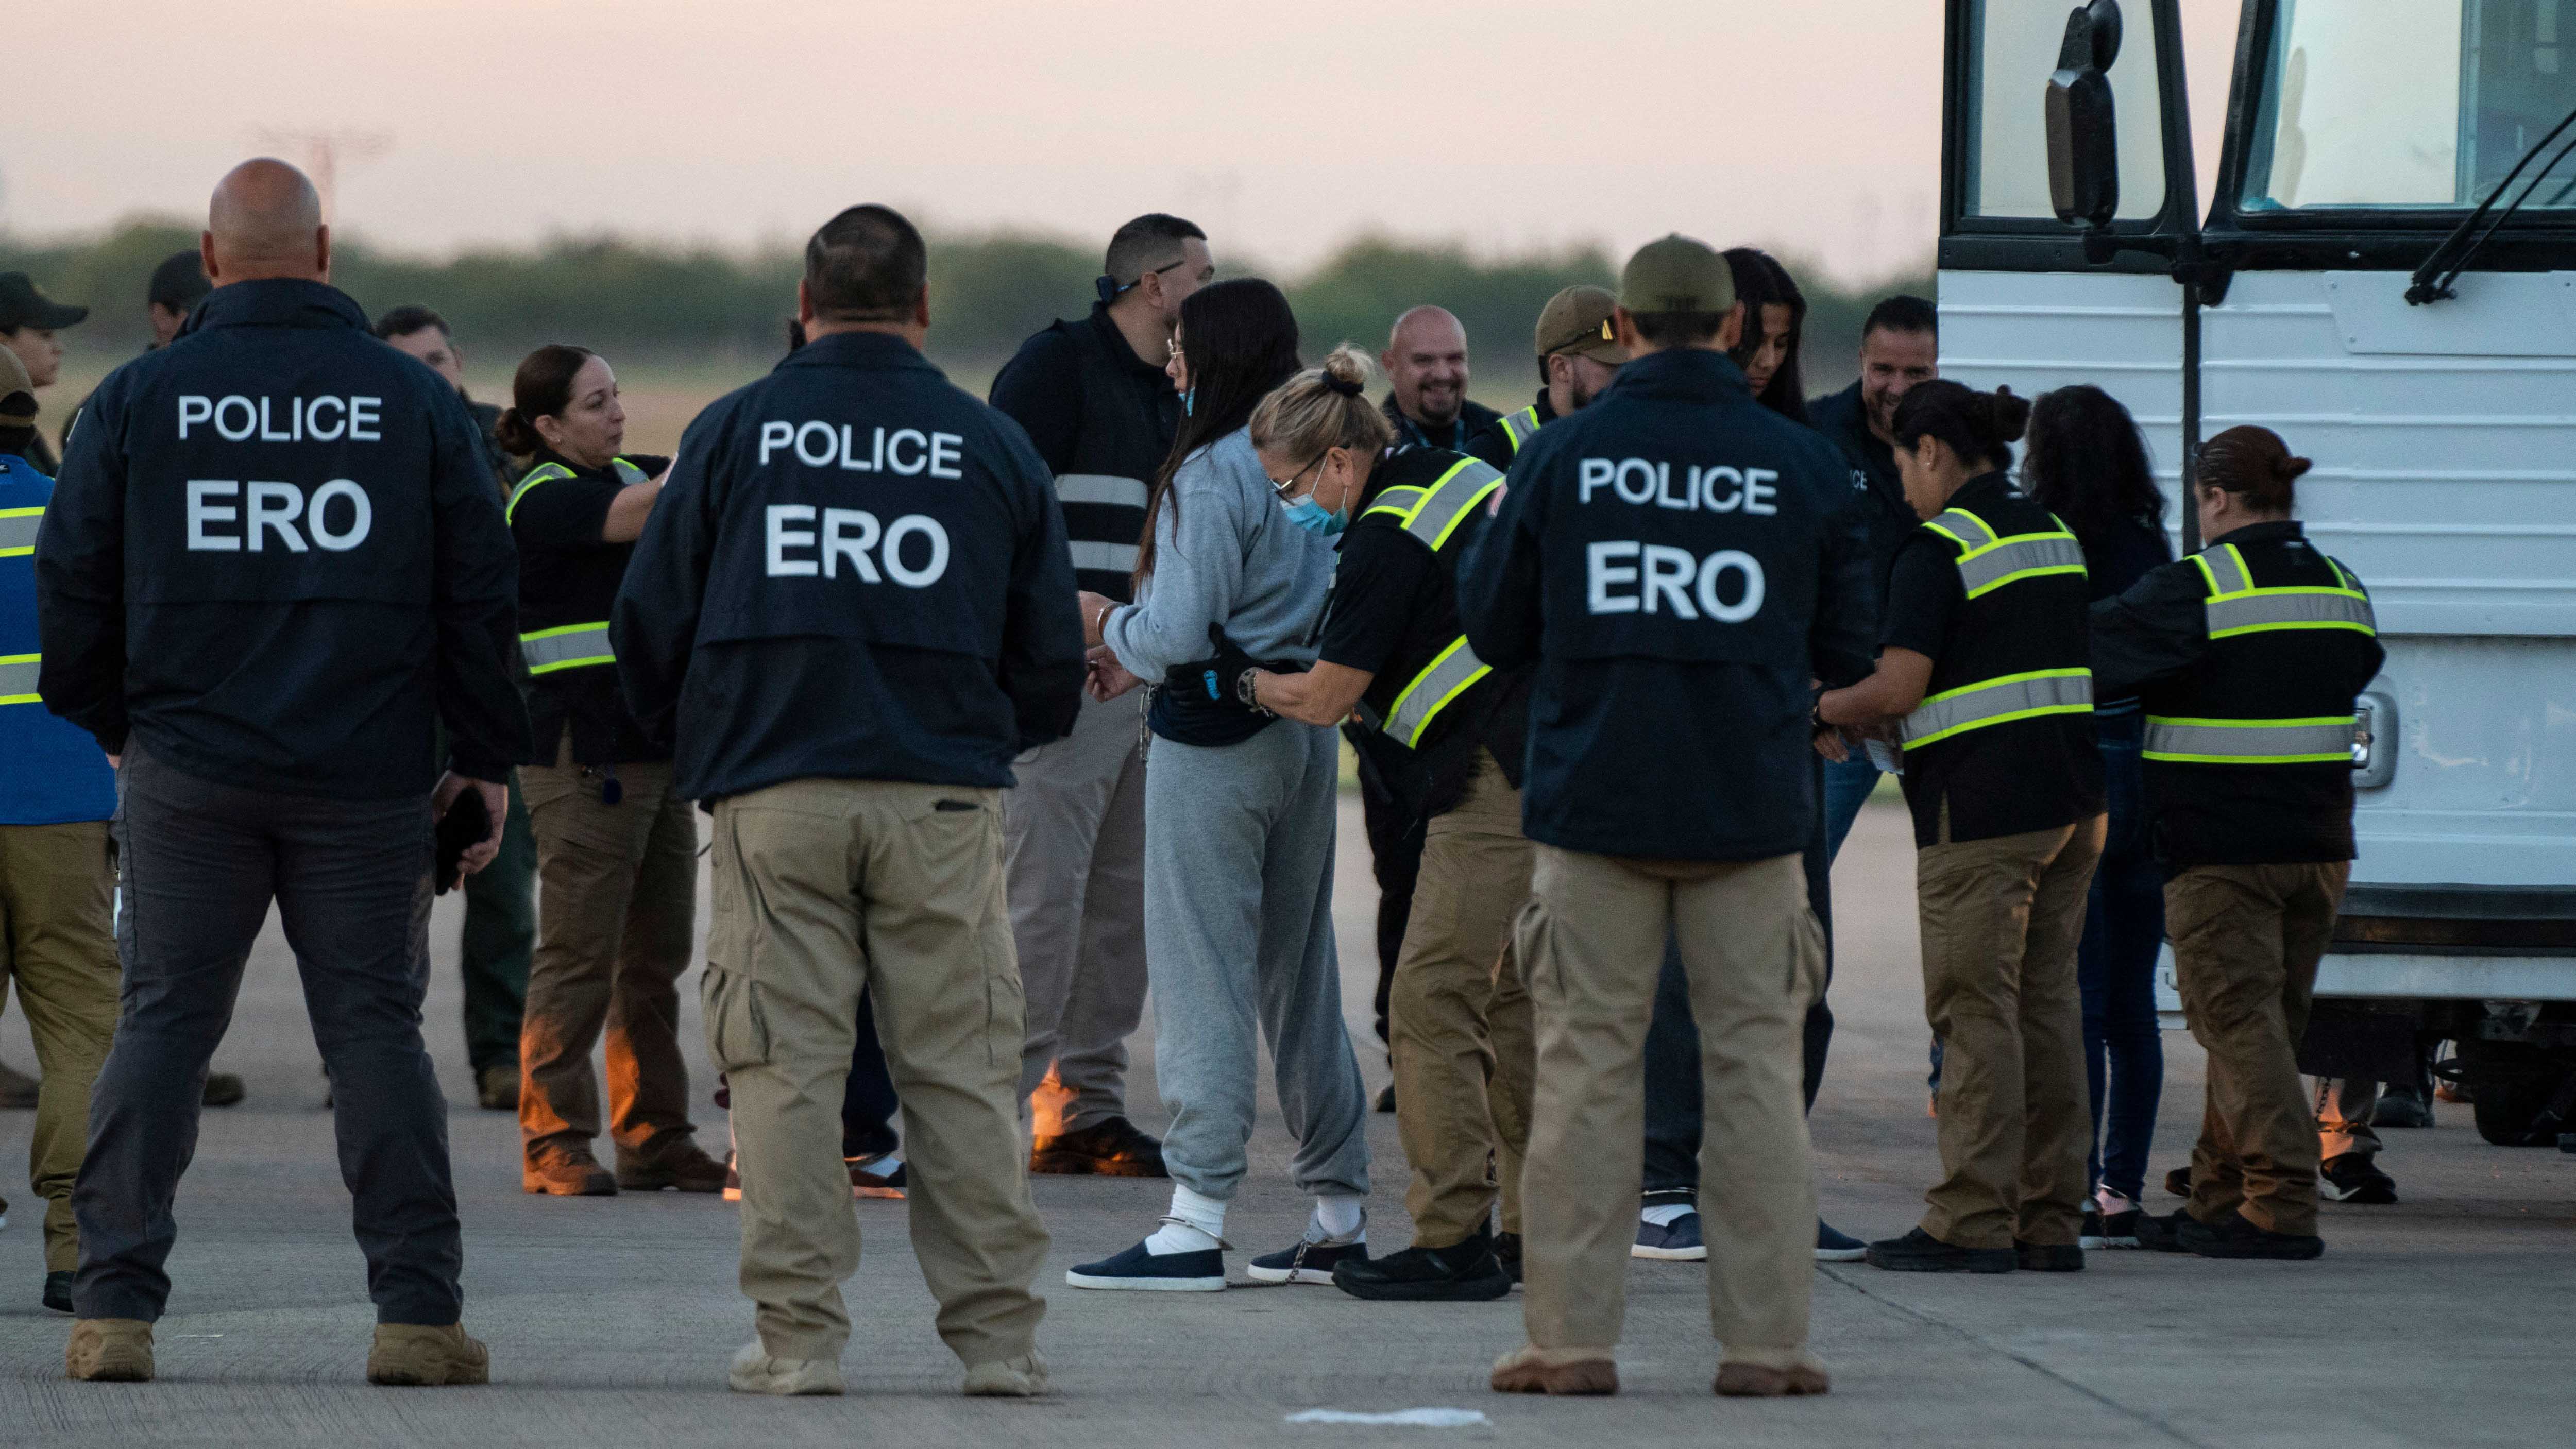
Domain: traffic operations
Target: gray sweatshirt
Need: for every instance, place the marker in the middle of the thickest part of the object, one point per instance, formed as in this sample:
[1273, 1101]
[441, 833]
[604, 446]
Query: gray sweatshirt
[1234, 558]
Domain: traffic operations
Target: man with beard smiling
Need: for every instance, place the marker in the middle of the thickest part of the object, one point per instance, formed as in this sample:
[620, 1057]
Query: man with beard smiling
[1426, 360]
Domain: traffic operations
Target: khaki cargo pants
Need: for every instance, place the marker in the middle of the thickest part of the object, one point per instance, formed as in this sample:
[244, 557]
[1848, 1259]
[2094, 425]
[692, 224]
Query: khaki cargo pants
[616, 926]
[1593, 937]
[58, 947]
[2001, 919]
[2246, 942]
[1460, 1014]
[825, 888]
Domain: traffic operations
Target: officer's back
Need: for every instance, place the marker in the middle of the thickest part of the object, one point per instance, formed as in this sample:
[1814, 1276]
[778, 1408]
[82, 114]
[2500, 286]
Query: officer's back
[1680, 561]
[276, 555]
[859, 571]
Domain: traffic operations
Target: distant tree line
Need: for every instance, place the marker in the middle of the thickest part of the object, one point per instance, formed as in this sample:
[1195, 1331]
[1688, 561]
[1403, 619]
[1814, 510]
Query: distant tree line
[704, 308]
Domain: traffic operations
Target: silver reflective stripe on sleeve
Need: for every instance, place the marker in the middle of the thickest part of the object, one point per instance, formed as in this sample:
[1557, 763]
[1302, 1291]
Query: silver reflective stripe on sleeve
[1985, 570]
[1452, 674]
[1116, 558]
[1100, 488]
[1996, 701]
[18, 531]
[2262, 609]
[18, 678]
[569, 647]
[628, 475]
[2316, 741]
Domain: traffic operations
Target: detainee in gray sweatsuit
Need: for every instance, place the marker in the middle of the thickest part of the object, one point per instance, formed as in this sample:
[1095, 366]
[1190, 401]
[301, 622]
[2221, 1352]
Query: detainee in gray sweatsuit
[1239, 859]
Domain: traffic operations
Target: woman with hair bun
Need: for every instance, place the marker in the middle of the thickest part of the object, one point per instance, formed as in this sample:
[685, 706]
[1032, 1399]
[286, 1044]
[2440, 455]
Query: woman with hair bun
[2248, 656]
[1983, 669]
[1239, 802]
[616, 849]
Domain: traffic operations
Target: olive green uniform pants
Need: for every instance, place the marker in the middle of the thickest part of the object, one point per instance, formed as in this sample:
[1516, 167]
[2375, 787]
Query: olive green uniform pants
[616, 920]
[58, 947]
[1460, 1017]
[1593, 937]
[825, 888]
[2246, 942]
[2001, 919]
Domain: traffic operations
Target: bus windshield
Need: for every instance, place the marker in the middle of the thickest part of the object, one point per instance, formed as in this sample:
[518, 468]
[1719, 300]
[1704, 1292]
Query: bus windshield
[2413, 104]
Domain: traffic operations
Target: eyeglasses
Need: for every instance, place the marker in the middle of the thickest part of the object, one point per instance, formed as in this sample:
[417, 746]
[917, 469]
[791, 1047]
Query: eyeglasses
[1289, 483]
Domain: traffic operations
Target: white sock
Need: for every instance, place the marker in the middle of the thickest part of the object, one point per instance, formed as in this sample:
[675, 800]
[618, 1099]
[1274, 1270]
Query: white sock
[1200, 1225]
[1338, 1220]
[1665, 1214]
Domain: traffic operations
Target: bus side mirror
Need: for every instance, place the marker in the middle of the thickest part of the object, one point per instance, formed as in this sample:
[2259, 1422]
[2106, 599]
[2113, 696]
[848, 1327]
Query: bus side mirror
[2083, 142]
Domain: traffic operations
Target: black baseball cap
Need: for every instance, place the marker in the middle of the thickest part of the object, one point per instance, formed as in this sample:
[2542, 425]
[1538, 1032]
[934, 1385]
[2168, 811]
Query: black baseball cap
[21, 305]
[179, 283]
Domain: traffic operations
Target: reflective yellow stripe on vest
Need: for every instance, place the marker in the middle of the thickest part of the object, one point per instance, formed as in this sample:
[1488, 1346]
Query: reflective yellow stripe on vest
[18, 531]
[1999, 701]
[1432, 514]
[18, 678]
[2235, 607]
[2324, 740]
[574, 646]
[627, 473]
[1520, 427]
[1988, 562]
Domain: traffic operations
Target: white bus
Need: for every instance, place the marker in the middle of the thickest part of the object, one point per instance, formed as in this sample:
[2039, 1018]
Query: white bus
[2315, 295]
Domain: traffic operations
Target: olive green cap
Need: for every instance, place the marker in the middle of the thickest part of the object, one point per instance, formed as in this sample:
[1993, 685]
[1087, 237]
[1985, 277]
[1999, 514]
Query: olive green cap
[1676, 274]
[1577, 320]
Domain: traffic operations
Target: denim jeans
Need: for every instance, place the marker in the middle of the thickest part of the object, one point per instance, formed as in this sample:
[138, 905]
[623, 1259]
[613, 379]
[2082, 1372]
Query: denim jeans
[2124, 925]
[1847, 788]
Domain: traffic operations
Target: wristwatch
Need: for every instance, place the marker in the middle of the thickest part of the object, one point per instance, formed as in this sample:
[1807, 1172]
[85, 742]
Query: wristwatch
[1247, 690]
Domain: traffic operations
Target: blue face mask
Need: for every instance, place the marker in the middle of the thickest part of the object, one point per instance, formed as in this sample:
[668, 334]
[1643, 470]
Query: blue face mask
[1187, 394]
[1309, 515]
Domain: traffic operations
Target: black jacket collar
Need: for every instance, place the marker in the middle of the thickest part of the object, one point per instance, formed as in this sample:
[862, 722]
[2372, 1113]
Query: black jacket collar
[1116, 341]
[2271, 531]
[1985, 488]
[1693, 374]
[280, 302]
[860, 349]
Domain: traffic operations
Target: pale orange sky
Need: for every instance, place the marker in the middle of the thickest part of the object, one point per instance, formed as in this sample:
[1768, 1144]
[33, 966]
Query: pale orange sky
[1284, 127]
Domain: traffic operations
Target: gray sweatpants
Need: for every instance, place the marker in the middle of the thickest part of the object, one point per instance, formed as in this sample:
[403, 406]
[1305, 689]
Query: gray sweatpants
[1239, 925]
[1073, 840]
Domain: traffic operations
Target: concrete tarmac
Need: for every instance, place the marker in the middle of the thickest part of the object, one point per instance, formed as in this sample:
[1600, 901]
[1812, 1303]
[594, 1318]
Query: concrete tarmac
[2444, 1320]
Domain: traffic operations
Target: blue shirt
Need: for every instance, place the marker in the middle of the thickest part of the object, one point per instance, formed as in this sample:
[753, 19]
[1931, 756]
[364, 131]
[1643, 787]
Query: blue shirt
[51, 771]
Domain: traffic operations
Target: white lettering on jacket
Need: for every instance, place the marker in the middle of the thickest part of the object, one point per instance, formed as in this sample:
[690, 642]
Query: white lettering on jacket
[239, 419]
[909, 452]
[1669, 580]
[1644, 484]
[912, 550]
[270, 513]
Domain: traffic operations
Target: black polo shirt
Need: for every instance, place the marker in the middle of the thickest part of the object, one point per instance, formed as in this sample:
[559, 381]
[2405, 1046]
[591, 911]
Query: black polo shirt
[569, 575]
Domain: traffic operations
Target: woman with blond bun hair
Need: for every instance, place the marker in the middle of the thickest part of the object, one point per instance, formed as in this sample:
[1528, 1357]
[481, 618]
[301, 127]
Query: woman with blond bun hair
[1239, 802]
[2248, 657]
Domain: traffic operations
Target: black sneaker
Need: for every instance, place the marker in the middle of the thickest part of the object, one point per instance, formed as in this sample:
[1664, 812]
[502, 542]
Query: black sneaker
[2119, 1230]
[1139, 1270]
[58, 1291]
[2352, 1177]
[1109, 1148]
[2048, 1257]
[1833, 1245]
[2401, 1107]
[1507, 1251]
[2163, 1234]
[1463, 1272]
[1920, 1252]
[1677, 1241]
[2234, 1237]
[1307, 1262]
[2178, 1181]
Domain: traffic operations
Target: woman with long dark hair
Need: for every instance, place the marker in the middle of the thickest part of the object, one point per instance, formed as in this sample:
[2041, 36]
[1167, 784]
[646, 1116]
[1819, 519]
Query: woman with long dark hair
[1239, 803]
[1775, 326]
[2087, 464]
[616, 850]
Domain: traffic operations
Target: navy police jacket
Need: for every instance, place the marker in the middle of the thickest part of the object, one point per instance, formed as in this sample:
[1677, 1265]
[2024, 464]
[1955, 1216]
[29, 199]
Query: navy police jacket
[855, 571]
[1679, 562]
[275, 557]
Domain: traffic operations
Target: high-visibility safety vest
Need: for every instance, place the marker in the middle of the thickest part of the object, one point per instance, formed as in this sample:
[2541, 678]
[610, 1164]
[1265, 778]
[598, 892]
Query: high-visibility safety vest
[568, 646]
[1989, 564]
[2266, 693]
[1520, 427]
[18, 672]
[1434, 515]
